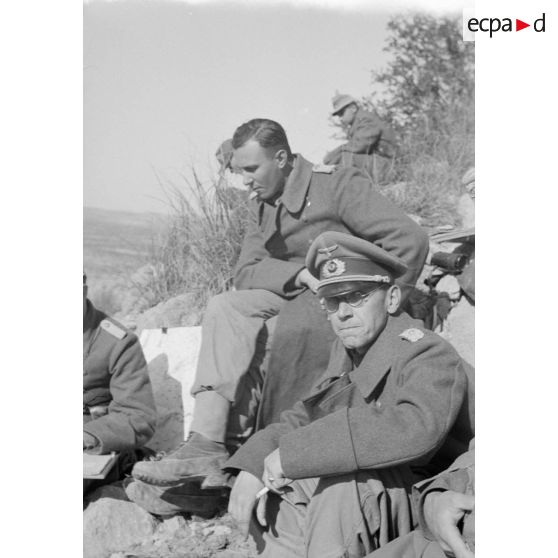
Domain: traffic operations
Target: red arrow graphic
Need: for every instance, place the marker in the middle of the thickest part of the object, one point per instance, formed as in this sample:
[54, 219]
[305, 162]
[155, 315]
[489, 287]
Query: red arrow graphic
[519, 25]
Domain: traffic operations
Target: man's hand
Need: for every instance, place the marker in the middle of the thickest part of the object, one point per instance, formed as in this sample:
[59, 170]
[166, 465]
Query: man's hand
[442, 512]
[242, 500]
[306, 279]
[273, 476]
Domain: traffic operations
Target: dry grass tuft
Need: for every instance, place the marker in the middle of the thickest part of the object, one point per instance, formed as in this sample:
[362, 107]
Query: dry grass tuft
[199, 248]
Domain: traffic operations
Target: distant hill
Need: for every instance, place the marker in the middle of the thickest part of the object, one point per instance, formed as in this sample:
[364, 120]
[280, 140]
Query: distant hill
[115, 245]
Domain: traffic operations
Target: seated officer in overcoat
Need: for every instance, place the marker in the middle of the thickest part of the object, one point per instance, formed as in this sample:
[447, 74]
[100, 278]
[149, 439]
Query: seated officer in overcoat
[118, 407]
[294, 202]
[340, 464]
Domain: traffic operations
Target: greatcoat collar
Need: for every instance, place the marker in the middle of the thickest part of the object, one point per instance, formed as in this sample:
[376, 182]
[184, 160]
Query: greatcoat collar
[378, 359]
[296, 186]
[90, 319]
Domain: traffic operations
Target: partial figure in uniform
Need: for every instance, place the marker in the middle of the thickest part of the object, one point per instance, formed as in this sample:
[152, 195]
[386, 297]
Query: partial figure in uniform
[224, 155]
[119, 413]
[446, 514]
[371, 144]
[229, 187]
[341, 463]
[454, 285]
[294, 201]
[466, 202]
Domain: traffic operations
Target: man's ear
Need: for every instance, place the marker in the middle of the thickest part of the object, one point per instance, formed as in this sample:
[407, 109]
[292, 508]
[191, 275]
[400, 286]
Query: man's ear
[282, 158]
[393, 299]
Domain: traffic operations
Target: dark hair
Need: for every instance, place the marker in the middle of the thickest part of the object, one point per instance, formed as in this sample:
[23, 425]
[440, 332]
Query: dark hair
[267, 133]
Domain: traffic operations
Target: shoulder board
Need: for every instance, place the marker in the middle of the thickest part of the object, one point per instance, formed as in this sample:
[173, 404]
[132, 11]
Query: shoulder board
[413, 334]
[327, 169]
[113, 329]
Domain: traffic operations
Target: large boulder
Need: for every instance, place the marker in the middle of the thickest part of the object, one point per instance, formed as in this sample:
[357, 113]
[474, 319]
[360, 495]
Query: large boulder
[112, 525]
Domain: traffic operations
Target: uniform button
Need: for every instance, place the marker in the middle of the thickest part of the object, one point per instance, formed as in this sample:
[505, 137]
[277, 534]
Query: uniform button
[379, 404]
[310, 241]
[308, 204]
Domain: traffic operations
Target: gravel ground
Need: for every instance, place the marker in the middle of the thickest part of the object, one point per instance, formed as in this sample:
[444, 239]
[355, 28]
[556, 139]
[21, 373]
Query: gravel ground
[178, 536]
[182, 537]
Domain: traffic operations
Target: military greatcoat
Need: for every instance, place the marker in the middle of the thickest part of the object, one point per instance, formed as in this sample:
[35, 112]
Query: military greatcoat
[396, 407]
[315, 200]
[459, 477]
[115, 380]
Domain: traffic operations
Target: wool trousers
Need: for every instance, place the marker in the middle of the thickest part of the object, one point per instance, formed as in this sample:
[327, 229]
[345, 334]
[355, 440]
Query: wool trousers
[345, 516]
[236, 331]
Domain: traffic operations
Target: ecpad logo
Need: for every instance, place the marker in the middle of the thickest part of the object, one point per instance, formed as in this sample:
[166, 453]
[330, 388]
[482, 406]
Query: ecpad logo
[492, 25]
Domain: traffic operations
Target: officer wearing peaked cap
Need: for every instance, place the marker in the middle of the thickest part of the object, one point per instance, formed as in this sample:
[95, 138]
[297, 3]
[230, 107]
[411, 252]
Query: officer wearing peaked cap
[340, 258]
[376, 423]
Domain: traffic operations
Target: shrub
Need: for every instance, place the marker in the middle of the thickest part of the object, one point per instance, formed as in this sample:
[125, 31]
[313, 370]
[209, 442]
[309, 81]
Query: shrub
[431, 163]
[427, 93]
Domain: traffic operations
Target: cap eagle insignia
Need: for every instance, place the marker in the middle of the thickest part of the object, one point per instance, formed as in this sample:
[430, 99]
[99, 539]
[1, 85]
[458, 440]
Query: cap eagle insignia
[328, 250]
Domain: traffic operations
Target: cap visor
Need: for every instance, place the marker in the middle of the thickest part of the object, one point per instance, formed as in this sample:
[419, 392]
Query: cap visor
[353, 279]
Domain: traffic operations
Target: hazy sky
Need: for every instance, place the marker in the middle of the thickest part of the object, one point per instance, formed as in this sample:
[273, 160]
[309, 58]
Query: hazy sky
[166, 82]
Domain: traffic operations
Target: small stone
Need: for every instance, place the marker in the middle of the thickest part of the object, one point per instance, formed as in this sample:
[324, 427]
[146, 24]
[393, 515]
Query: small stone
[172, 525]
[218, 543]
[113, 491]
[114, 525]
[221, 530]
